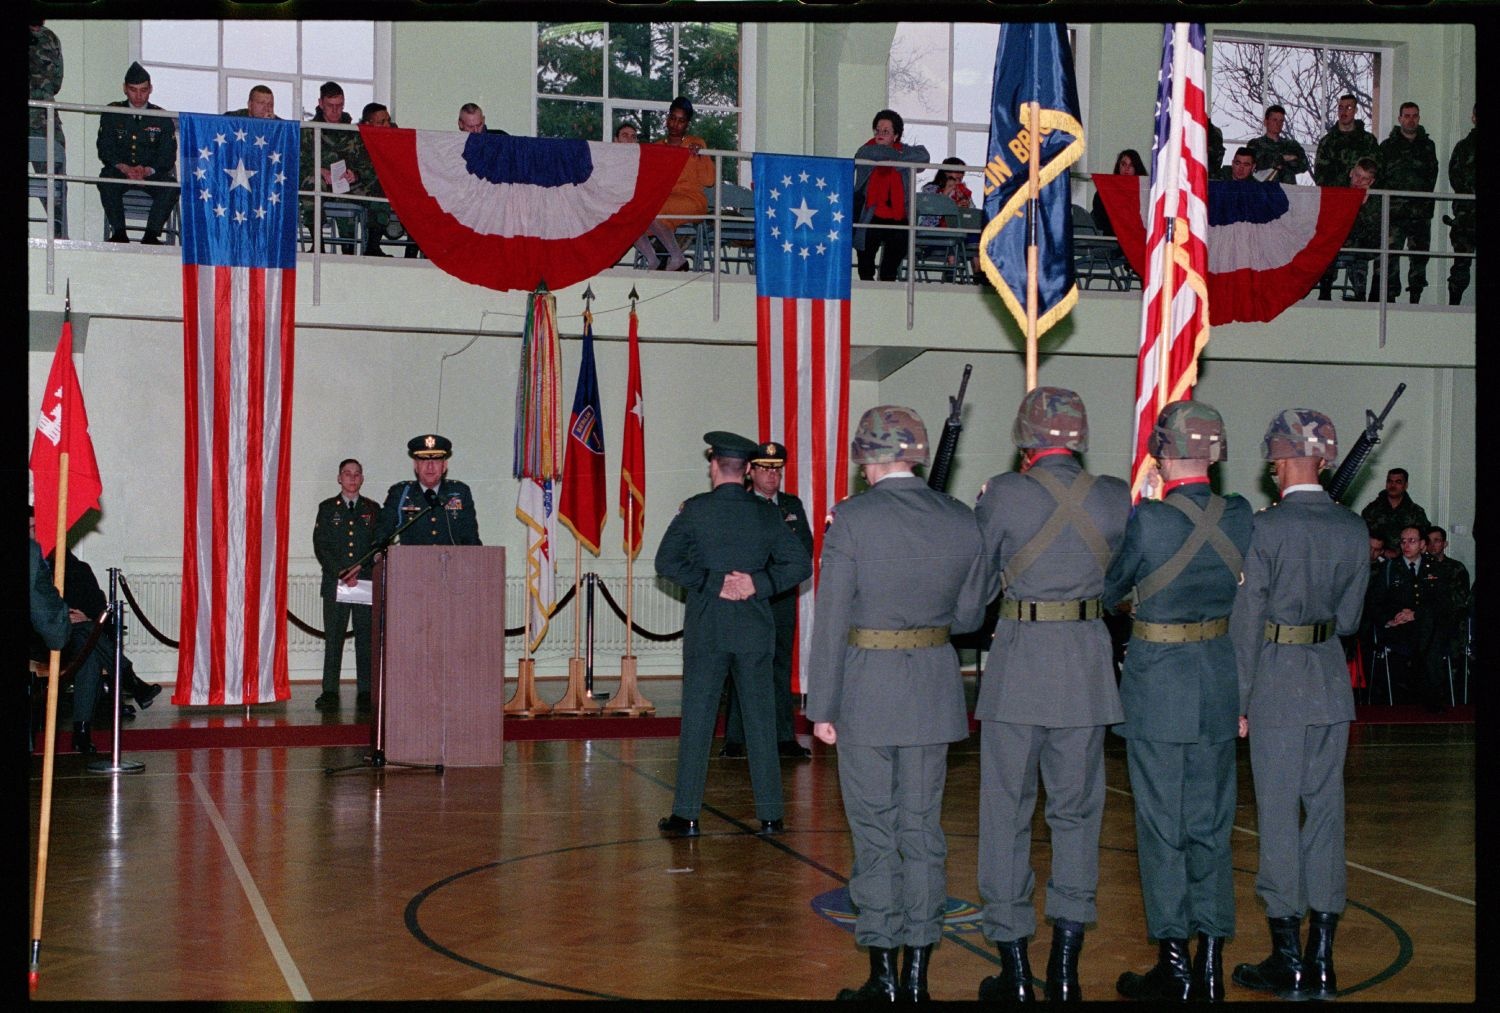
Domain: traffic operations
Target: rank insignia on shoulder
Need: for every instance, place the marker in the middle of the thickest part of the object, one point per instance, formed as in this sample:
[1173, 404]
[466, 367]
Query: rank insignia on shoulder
[828, 520]
[982, 488]
[681, 505]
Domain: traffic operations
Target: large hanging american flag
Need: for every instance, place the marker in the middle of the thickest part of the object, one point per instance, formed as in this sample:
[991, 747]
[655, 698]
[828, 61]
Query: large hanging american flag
[803, 234]
[1174, 306]
[239, 250]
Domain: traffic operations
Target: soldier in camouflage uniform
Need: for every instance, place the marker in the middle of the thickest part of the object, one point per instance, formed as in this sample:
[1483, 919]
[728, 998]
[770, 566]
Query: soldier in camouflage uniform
[1365, 233]
[46, 80]
[1182, 555]
[1303, 588]
[1408, 161]
[343, 146]
[1273, 150]
[1346, 142]
[137, 148]
[261, 104]
[1463, 224]
[1216, 167]
[1048, 693]
[1393, 509]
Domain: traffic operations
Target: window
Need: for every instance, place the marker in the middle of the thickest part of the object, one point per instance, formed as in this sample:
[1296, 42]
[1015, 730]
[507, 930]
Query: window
[210, 66]
[1305, 77]
[592, 75]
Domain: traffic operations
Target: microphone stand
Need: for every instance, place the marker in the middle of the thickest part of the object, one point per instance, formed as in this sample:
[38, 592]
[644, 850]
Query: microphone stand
[376, 758]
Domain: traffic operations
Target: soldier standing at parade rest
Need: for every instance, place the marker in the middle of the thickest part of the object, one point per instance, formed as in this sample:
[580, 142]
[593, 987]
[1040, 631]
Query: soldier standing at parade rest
[766, 469]
[902, 568]
[342, 534]
[137, 148]
[449, 506]
[1048, 693]
[1304, 587]
[1183, 556]
[731, 554]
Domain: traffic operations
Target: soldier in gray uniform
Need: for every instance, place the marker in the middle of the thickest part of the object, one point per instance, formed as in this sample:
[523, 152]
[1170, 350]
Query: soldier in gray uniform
[1183, 555]
[731, 554]
[1050, 532]
[902, 568]
[445, 507]
[765, 482]
[1304, 587]
[342, 534]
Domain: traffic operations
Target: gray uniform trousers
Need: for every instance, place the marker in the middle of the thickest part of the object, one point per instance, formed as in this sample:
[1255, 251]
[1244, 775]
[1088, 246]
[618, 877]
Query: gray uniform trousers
[893, 800]
[1183, 819]
[1299, 767]
[1071, 762]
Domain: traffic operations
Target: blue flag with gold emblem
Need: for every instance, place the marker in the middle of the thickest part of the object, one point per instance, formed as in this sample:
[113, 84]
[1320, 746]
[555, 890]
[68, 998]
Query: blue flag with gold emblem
[1033, 63]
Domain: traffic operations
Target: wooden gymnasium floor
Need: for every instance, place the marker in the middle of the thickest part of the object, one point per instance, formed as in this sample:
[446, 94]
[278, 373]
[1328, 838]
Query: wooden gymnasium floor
[247, 874]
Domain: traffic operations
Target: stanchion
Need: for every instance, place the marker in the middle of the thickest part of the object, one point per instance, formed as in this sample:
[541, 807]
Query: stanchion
[113, 764]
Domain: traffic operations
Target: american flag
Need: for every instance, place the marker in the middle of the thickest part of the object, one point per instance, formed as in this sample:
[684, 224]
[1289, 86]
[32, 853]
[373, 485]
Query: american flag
[239, 250]
[1176, 241]
[803, 234]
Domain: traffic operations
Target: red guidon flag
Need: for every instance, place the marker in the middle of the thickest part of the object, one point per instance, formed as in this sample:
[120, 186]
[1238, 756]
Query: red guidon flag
[62, 428]
[633, 449]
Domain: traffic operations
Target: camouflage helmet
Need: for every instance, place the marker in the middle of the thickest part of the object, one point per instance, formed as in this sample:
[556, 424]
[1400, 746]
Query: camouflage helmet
[889, 433]
[1051, 417]
[1188, 430]
[1300, 432]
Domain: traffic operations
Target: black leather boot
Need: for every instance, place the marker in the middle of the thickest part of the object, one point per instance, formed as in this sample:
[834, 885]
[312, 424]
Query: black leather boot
[1455, 295]
[1318, 981]
[1208, 970]
[1013, 983]
[1168, 981]
[914, 961]
[1282, 970]
[81, 742]
[1062, 962]
[883, 981]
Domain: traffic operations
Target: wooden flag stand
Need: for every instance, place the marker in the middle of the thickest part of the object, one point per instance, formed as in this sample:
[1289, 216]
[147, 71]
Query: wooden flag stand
[627, 698]
[526, 703]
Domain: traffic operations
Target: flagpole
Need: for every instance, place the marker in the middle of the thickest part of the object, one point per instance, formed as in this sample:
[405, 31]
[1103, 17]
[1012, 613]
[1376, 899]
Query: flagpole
[1034, 126]
[1169, 248]
[49, 739]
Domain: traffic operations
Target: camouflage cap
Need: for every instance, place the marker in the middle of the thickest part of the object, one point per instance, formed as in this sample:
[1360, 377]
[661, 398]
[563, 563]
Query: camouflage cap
[1188, 430]
[889, 433]
[1300, 432]
[1051, 417]
[428, 447]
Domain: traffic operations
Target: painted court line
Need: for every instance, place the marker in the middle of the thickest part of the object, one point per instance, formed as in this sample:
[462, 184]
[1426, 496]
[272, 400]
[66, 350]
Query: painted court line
[267, 927]
[1354, 865]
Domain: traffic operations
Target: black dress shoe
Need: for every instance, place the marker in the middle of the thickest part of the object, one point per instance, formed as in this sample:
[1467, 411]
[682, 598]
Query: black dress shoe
[327, 702]
[362, 701]
[794, 749]
[118, 236]
[151, 239]
[676, 826]
[732, 751]
[145, 693]
[770, 828]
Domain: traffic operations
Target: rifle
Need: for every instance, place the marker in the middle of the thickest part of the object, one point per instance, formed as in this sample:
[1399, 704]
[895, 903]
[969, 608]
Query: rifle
[937, 472]
[1355, 459]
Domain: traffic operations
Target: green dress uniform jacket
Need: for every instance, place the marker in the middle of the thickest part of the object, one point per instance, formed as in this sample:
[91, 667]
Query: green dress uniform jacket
[341, 537]
[1047, 694]
[898, 556]
[49, 613]
[715, 533]
[452, 522]
[1181, 705]
[1308, 563]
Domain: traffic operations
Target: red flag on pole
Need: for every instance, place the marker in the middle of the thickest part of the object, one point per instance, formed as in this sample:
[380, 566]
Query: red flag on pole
[62, 428]
[1174, 306]
[582, 503]
[633, 450]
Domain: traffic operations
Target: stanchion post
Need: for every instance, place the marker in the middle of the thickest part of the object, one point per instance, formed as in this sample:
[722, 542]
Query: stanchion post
[113, 764]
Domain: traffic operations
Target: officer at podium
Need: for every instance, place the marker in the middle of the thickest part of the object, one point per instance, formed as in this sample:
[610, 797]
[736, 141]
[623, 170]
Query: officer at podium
[444, 508]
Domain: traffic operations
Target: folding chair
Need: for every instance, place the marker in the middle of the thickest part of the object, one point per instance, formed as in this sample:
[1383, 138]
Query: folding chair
[940, 252]
[736, 235]
[36, 154]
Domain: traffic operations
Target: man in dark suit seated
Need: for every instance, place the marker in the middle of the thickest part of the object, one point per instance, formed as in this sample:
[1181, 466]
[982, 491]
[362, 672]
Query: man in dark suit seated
[1409, 604]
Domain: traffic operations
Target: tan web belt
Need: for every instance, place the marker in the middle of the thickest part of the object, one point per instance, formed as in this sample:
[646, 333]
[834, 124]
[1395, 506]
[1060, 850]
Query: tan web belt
[898, 640]
[1316, 633]
[1050, 611]
[1180, 633]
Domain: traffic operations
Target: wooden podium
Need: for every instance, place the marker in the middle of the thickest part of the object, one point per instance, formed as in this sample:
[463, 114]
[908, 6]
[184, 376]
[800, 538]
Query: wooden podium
[438, 646]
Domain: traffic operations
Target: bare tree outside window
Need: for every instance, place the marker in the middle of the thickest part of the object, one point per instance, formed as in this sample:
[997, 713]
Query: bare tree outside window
[1249, 75]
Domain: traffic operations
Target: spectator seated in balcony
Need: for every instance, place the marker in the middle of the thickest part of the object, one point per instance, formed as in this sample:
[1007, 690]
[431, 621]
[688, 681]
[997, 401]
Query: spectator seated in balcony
[137, 148]
[883, 197]
[261, 105]
[1127, 163]
[471, 120]
[1364, 232]
[688, 196]
[950, 183]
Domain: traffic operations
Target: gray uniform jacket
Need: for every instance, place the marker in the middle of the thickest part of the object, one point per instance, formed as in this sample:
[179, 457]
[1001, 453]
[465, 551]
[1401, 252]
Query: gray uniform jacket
[1179, 692]
[898, 556]
[1054, 674]
[1308, 561]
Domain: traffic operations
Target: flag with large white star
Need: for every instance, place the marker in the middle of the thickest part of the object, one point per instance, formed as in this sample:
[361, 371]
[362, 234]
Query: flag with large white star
[804, 217]
[239, 256]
